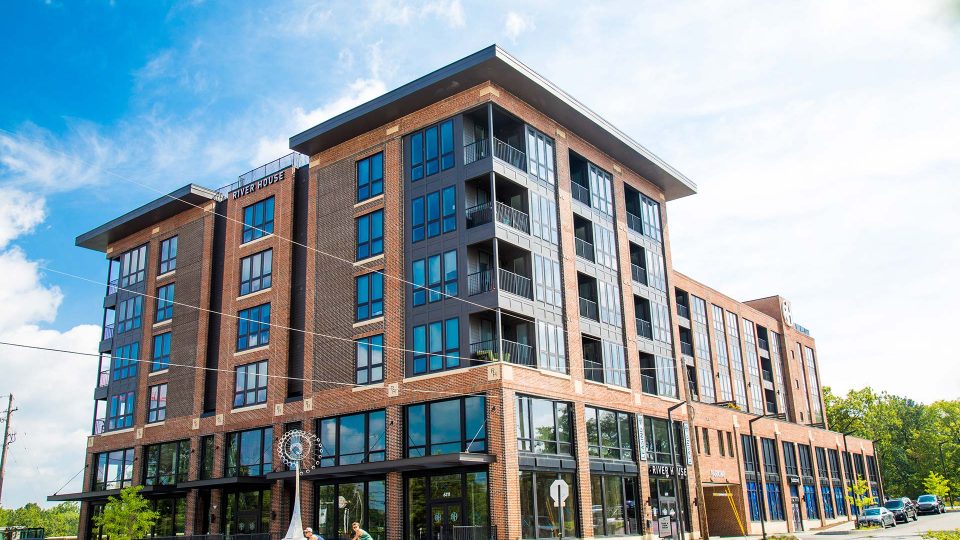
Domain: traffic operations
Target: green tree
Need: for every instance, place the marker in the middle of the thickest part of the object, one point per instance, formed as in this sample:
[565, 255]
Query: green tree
[859, 496]
[60, 520]
[128, 517]
[936, 484]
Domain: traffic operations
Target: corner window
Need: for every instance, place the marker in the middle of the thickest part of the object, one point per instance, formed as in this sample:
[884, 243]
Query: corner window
[129, 313]
[124, 361]
[114, 470]
[168, 255]
[249, 453]
[370, 177]
[157, 410]
[165, 302]
[369, 296]
[133, 266]
[369, 235]
[161, 352]
[431, 151]
[258, 220]
[436, 346]
[370, 359]
[253, 327]
[356, 438]
[251, 386]
[544, 426]
[256, 272]
[446, 427]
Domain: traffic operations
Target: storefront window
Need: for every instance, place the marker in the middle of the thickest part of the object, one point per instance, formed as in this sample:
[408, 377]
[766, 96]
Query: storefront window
[608, 434]
[441, 506]
[539, 517]
[247, 512]
[171, 516]
[339, 505]
[615, 505]
[447, 427]
[658, 440]
[358, 438]
[665, 502]
[543, 426]
[250, 453]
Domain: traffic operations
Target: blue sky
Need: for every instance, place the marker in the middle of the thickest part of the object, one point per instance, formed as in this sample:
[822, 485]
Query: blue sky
[822, 136]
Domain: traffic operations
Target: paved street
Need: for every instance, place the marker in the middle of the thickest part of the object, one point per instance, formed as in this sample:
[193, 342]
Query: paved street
[911, 530]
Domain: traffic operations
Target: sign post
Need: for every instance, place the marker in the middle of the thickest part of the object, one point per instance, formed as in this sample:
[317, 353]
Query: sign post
[559, 491]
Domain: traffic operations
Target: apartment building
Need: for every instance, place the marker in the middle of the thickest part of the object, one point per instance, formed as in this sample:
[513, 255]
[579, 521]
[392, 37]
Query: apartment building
[440, 285]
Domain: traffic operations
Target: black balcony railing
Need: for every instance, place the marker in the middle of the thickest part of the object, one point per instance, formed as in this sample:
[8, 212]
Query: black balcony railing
[683, 311]
[475, 151]
[108, 331]
[475, 532]
[767, 375]
[635, 223]
[580, 193]
[588, 309]
[103, 379]
[639, 273]
[513, 352]
[99, 425]
[293, 159]
[584, 249]
[644, 329]
[513, 156]
[513, 217]
[112, 286]
[479, 282]
[516, 284]
[764, 344]
[479, 215]
[686, 348]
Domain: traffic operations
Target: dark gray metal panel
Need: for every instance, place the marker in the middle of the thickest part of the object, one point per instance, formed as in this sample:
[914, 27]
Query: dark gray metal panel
[495, 64]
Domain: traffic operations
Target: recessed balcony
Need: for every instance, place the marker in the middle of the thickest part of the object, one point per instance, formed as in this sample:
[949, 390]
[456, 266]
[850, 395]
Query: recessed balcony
[514, 343]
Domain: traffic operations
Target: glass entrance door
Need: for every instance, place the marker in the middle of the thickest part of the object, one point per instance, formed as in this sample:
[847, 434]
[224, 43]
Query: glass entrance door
[795, 502]
[445, 518]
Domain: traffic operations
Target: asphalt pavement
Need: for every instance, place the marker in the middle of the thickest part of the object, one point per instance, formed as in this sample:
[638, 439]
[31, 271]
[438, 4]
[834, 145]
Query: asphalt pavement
[907, 531]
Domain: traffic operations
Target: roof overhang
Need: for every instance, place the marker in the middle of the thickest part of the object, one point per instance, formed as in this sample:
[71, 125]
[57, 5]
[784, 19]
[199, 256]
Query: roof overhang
[440, 461]
[496, 65]
[165, 207]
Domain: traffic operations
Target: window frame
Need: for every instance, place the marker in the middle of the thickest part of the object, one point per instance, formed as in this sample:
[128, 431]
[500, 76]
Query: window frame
[167, 261]
[261, 227]
[120, 411]
[179, 471]
[124, 367]
[431, 151]
[369, 305]
[372, 245]
[470, 440]
[444, 351]
[532, 444]
[260, 378]
[622, 450]
[100, 479]
[373, 451]
[129, 314]
[136, 257]
[160, 360]
[234, 439]
[250, 322]
[371, 186]
[157, 403]
[165, 302]
[365, 359]
[262, 261]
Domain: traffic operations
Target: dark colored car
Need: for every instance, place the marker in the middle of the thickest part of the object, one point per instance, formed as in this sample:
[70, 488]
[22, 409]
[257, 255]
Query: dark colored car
[902, 509]
[930, 504]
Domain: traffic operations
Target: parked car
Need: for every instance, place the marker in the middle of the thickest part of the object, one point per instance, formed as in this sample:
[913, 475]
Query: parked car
[930, 504]
[902, 509]
[877, 516]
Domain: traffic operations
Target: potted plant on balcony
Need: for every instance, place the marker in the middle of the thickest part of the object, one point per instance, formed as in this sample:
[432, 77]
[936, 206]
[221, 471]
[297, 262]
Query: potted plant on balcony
[491, 356]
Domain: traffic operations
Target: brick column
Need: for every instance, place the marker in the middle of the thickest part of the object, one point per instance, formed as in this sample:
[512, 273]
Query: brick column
[504, 477]
[394, 488]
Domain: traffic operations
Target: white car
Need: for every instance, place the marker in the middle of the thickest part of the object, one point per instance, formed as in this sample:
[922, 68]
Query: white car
[877, 515]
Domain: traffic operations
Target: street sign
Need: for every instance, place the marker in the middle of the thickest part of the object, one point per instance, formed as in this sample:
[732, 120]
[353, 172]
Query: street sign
[559, 491]
[666, 530]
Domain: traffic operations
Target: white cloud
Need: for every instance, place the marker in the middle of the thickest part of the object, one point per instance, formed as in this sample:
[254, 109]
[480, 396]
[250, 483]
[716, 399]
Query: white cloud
[450, 11]
[34, 158]
[22, 212]
[517, 24]
[22, 288]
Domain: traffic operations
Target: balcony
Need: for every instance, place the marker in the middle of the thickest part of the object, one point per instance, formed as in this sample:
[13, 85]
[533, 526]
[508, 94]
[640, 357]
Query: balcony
[475, 151]
[512, 217]
[502, 150]
[99, 425]
[104, 378]
[293, 159]
[580, 193]
[644, 329]
[482, 281]
[108, 330]
[513, 352]
[638, 273]
[686, 348]
[589, 310]
[512, 344]
[584, 249]
[683, 311]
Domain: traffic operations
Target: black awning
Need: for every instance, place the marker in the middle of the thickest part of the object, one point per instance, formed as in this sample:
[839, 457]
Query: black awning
[231, 481]
[147, 491]
[442, 461]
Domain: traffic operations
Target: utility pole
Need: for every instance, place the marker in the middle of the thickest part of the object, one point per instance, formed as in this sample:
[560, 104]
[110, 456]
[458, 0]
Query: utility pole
[8, 439]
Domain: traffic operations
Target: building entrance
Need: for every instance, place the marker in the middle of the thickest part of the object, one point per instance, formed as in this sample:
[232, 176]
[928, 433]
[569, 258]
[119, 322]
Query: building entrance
[447, 518]
[448, 506]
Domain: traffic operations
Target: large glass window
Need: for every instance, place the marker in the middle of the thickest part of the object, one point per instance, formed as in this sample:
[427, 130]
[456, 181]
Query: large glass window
[247, 512]
[120, 413]
[129, 314]
[540, 155]
[658, 375]
[551, 348]
[601, 190]
[124, 361]
[431, 150]
[544, 426]
[253, 327]
[357, 438]
[340, 505]
[446, 427]
[369, 296]
[436, 346]
[258, 220]
[157, 408]
[543, 217]
[609, 434]
[166, 464]
[449, 209]
[753, 500]
[256, 272]
[168, 255]
[114, 470]
[171, 516]
[369, 235]
[207, 450]
[548, 287]
[133, 266]
[657, 437]
[616, 505]
[370, 177]
[539, 518]
[251, 384]
[249, 453]
[435, 278]
[775, 501]
[651, 218]
[370, 359]
[164, 303]
[161, 352]
[810, 502]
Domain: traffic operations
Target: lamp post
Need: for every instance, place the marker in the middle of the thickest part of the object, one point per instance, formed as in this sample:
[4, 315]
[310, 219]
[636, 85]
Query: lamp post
[673, 462]
[756, 467]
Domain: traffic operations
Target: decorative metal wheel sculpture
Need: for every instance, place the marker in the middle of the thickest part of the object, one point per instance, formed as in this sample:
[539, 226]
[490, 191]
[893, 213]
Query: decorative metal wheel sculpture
[301, 451]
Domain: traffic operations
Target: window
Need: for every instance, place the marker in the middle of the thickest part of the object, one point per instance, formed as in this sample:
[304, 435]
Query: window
[370, 359]
[615, 505]
[247, 513]
[168, 255]
[433, 214]
[157, 410]
[543, 215]
[551, 347]
[827, 502]
[614, 366]
[660, 322]
[114, 470]
[164, 303]
[258, 220]
[166, 464]
[544, 426]
[540, 154]
[357, 438]
[251, 387]
[161, 352]
[775, 501]
[446, 427]
[207, 450]
[810, 501]
[249, 453]
[606, 246]
[609, 434]
[656, 274]
[431, 151]
[657, 435]
[436, 346]
[435, 278]
[538, 516]
[133, 266]
[658, 375]
[120, 413]
[253, 327]
[753, 496]
[706, 441]
[256, 272]
[546, 278]
[609, 303]
[431, 218]
[369, 235]
[651, 218]
[369, 296]
[449, 209]
[806, 463]
[723, 361]
[723, 450]
[370, 177]
[789, 459]
[124, 361]
[601, 190]
[417, 220]
[129, 314]
[771, 462]
[362, 501]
